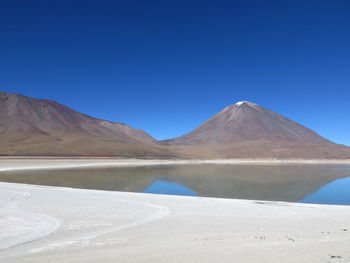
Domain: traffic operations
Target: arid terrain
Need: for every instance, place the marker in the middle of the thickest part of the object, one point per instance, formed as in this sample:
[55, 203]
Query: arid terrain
[34, 127]
[247, 130]
[48, 224]
[42, 127]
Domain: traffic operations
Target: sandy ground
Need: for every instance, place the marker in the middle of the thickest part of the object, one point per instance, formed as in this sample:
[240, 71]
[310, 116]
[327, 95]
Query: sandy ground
[48, 224]
[51, 224]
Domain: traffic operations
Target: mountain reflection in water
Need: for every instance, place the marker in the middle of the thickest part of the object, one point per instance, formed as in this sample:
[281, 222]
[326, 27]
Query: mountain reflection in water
[258, 182]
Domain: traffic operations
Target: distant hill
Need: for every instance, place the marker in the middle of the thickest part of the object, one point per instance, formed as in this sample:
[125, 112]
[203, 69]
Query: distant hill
[31, 126]
[246, 129]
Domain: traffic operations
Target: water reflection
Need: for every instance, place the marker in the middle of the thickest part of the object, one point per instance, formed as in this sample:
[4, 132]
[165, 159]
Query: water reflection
[260, 182]
[337, 192]
[169, 188]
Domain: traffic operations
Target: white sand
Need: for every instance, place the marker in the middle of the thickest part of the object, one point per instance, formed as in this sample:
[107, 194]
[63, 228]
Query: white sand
[7, 164]
[50, 224]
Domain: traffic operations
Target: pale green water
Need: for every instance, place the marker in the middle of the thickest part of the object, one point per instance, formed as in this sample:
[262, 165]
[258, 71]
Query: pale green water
[306, 183]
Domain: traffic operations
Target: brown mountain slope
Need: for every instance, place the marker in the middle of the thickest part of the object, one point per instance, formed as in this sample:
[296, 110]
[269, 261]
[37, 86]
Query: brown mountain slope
[43, 127]
[248, 130]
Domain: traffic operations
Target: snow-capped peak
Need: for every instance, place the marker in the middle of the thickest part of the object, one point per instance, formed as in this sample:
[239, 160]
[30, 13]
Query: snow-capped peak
[245, 102]
[241, 102]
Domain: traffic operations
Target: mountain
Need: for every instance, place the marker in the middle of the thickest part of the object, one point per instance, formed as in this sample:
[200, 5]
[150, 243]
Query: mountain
[246, 129]
[31, 126]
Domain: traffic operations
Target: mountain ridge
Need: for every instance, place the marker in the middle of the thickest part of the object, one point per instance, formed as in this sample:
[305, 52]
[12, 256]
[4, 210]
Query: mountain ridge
[75, 120]
[57, 129]
[30, 126]
[246, 129]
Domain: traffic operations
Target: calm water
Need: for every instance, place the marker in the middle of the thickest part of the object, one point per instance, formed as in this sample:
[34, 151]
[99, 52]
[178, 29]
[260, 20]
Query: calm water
[329, 184]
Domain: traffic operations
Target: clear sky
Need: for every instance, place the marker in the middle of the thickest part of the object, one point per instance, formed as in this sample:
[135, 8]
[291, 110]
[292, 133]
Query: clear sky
[166, 66]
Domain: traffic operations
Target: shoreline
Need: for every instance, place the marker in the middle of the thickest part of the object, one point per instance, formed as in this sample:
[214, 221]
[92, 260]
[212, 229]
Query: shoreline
[57, 224]
[28, 163]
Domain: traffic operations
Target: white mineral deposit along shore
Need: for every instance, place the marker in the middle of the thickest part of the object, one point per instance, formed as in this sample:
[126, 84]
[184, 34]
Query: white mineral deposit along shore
[30, 163]
[52, 224]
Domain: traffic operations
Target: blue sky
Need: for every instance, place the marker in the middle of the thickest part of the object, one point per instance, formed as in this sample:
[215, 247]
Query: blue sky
[166, 66]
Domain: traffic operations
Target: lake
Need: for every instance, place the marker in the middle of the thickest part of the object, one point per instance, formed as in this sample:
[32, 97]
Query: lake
[325, 184]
